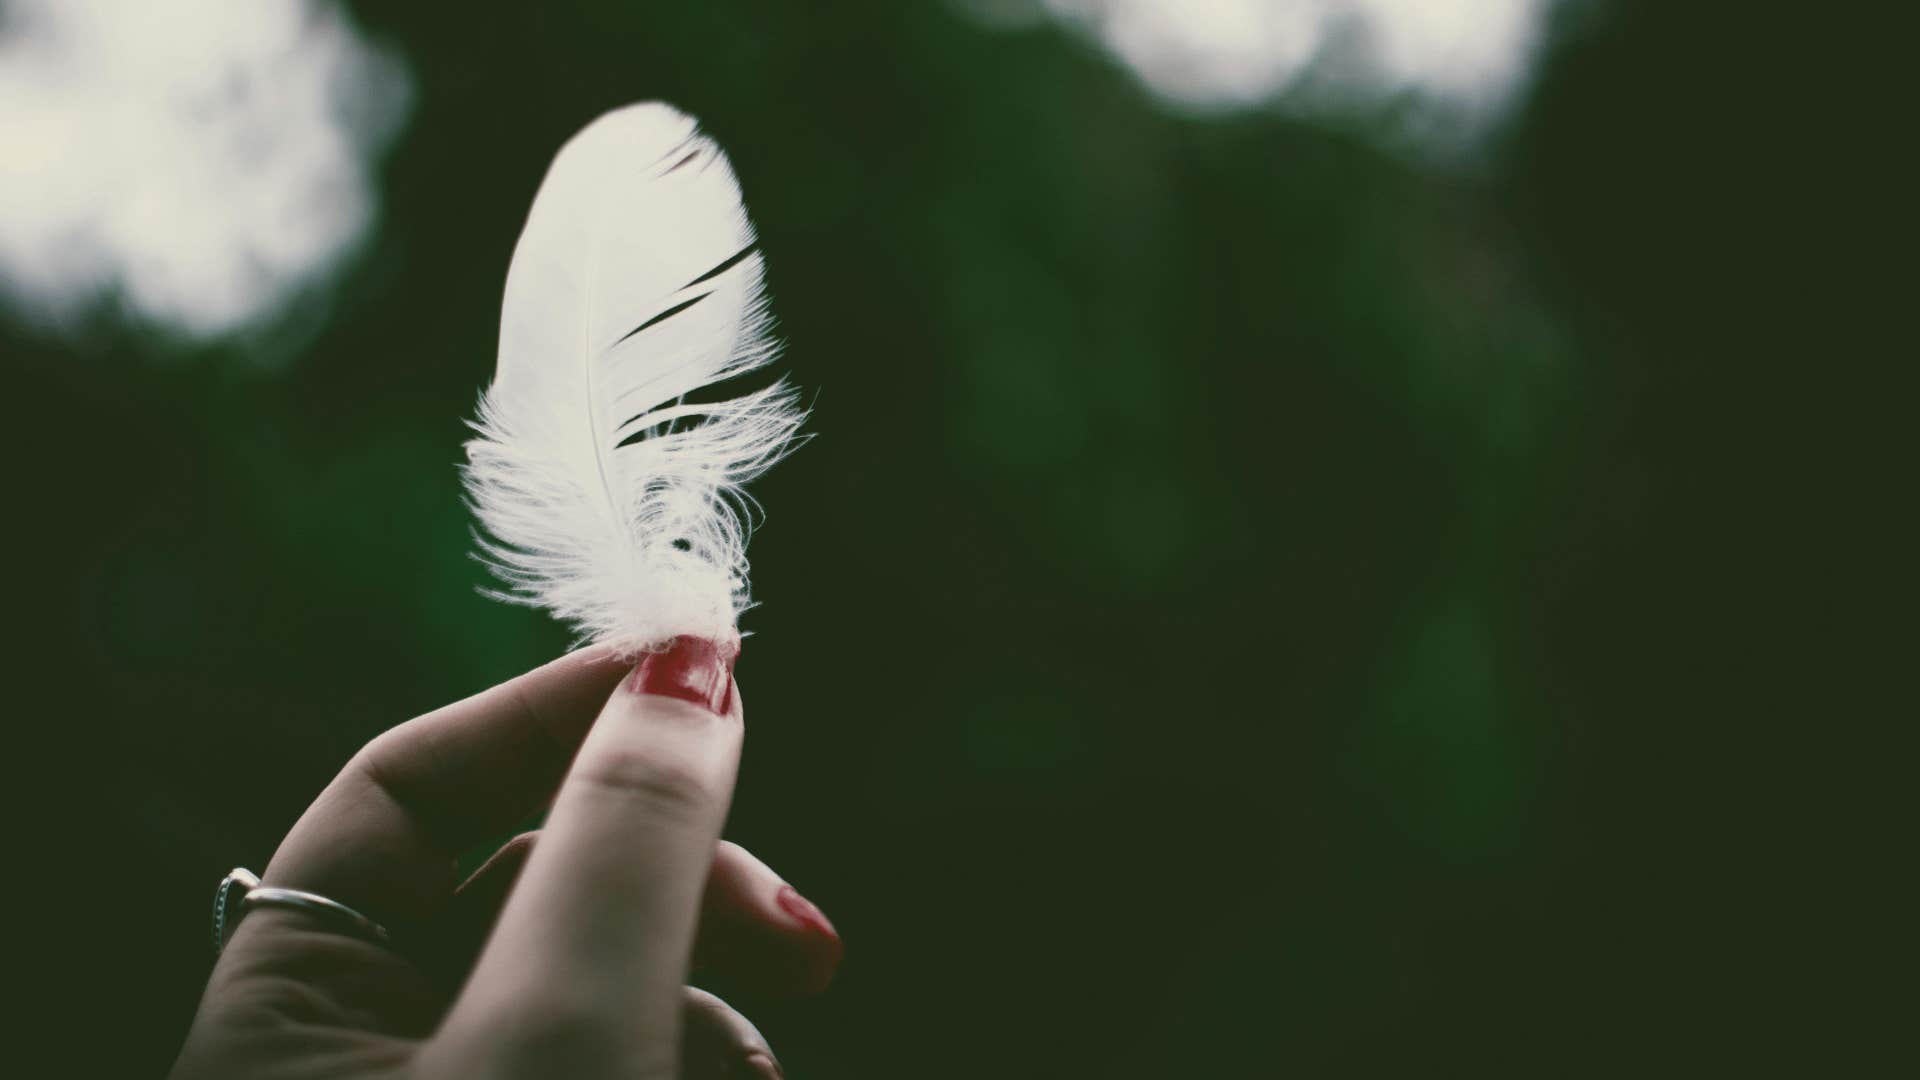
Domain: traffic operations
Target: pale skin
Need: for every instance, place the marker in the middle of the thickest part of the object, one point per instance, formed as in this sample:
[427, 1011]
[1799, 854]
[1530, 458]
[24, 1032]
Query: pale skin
[568, 953]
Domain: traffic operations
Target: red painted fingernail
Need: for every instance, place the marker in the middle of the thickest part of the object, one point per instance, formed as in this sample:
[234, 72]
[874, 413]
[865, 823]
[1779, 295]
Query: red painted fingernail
[693, 669]
[803, 910]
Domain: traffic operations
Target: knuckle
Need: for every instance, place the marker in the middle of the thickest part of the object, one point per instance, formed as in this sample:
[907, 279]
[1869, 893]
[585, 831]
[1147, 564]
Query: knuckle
[374, 754]
[382, 759]
[661, 783]
[373, 764]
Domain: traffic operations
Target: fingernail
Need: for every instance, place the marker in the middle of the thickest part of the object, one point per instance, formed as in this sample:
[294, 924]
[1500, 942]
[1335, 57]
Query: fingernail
[693, 669]
[804, 911]
[763, 1066]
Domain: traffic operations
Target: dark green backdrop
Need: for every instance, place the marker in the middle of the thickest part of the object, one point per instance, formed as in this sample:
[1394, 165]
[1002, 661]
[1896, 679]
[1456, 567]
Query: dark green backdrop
[1256, 604]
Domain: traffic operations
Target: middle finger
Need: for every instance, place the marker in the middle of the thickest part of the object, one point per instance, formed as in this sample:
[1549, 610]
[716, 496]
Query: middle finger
[756, 932]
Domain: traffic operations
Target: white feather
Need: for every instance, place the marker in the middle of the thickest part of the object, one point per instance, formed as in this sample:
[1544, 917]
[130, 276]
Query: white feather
[635, 282]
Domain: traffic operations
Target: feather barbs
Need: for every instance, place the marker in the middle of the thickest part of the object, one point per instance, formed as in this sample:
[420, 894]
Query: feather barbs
[605, 494]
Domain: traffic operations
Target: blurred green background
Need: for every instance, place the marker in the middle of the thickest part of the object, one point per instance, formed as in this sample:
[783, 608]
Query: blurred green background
[1253, 606]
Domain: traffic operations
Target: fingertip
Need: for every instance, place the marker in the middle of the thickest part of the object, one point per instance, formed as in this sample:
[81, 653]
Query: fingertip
[822, 946]
[759, 930]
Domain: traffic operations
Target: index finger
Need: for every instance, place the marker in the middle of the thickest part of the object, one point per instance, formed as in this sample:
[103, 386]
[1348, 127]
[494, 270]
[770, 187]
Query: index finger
[597, 936]
[384, 835]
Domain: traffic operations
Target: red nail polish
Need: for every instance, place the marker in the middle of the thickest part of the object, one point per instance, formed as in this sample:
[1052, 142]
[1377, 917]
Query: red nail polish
[803, 910]
[693, 669]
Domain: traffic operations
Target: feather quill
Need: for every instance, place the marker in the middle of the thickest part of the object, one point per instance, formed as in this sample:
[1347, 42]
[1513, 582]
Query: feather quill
[605, 494]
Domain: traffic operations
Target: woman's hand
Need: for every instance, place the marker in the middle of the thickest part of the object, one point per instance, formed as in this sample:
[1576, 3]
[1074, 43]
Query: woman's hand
[566, 955]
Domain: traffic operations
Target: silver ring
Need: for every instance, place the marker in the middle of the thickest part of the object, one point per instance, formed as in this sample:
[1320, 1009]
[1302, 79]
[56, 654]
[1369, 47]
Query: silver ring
[241, 892]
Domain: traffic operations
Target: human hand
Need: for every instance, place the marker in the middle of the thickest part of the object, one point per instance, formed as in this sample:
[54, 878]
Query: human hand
[567, 953]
